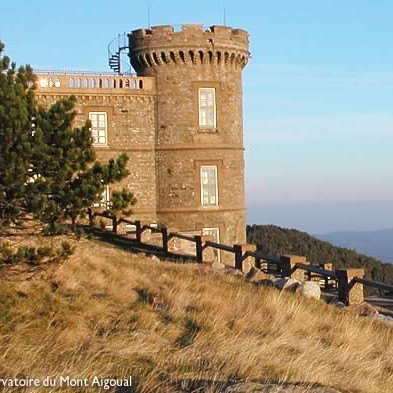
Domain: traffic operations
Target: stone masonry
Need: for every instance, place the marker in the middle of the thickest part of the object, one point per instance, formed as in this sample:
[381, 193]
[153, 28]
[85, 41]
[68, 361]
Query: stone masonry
[155, 118]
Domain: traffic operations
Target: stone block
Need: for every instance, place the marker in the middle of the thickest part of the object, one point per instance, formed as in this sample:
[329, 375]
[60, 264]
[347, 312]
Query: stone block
[346, 294]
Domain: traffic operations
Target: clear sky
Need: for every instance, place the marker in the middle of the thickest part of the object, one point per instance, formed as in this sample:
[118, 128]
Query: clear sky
[318, 93]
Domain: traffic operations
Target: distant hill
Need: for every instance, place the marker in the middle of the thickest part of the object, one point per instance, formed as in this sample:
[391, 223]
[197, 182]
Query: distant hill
[377, 244]
[273, 240]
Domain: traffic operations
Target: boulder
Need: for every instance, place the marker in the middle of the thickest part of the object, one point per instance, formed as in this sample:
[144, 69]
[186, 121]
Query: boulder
[265, 283]
[155, 259]
[256, 275]
[288, 284]
[383, 318]
[247, 265]
[218, 265]
[231, 271]
[364, 309]
[309, 289]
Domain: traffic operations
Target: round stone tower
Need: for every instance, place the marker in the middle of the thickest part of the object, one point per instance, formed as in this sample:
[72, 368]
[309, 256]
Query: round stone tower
[199, 127]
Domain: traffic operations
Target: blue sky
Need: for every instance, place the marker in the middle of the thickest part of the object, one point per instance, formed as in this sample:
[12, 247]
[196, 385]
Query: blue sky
[318, 114]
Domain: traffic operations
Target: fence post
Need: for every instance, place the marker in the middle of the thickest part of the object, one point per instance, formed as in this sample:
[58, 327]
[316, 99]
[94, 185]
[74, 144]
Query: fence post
[199, 249]
[164, 231]
[114, 224]
[91, 216]
[347, 294]
[244, 264]
[326, 266]
[138, 231]
[207, 252]
[238, 256]
[288, 262]
[285, 266]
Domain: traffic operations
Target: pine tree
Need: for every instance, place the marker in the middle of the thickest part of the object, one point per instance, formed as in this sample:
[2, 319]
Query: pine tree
[16, 133]
[48, 168]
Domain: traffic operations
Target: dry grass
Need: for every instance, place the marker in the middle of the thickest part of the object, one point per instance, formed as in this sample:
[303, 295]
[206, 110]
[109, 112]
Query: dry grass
[108, 313]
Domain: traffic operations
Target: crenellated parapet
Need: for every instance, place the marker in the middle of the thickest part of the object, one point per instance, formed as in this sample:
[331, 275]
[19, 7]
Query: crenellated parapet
[190, 45]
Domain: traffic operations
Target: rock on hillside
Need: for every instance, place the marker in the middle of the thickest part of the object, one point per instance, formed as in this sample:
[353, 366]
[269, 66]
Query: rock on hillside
[275, 388]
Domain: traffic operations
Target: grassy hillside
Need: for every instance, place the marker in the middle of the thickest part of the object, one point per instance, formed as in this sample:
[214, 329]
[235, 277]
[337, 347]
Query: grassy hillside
[105, 312]
[273, 240]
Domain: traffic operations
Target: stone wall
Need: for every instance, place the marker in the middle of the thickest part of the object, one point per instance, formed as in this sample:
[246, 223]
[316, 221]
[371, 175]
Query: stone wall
[130, 127]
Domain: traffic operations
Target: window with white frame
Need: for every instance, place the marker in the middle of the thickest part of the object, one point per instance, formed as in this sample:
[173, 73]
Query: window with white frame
[104, 202]
[99, 127]
[207, 107]
[215, 234]
[209, 186]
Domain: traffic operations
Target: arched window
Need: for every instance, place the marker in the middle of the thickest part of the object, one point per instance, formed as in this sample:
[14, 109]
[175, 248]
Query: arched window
[192, 57]
[181, 55]
[71, 82]
[141, 84]
[148, 60]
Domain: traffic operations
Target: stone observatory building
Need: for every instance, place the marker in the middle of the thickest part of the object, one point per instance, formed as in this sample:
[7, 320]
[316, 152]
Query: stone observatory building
[179, 120]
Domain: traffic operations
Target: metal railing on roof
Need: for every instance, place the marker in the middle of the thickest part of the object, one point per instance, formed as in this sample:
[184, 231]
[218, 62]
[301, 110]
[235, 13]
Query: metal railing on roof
[79, 72]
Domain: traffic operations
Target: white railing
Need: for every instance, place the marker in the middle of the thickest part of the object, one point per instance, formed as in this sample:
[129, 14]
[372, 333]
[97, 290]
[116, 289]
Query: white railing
[47, 80]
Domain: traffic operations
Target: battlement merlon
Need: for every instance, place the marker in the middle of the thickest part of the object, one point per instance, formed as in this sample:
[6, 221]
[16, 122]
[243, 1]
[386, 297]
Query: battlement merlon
[192, 35]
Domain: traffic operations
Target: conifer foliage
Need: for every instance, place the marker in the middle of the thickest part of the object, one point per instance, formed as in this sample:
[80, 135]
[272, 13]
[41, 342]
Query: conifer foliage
[48, 168]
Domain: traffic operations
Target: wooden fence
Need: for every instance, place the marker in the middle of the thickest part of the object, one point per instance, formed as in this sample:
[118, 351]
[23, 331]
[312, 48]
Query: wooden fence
[349, 282]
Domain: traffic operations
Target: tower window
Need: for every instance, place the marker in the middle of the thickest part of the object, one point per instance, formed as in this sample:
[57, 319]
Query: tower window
[99, 127]
[209, 186]
[207, 108]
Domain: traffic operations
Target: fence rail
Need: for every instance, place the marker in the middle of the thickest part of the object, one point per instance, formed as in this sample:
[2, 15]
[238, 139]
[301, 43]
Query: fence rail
[371, 283]
[314, 269]
[218, 246]
[182, 237]
[346, 279]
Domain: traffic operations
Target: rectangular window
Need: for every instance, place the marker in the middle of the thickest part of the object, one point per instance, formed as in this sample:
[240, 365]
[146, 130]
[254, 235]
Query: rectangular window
[104, 202]
[209, 186]
[207, 108]
[215, 234]
[99, 127]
